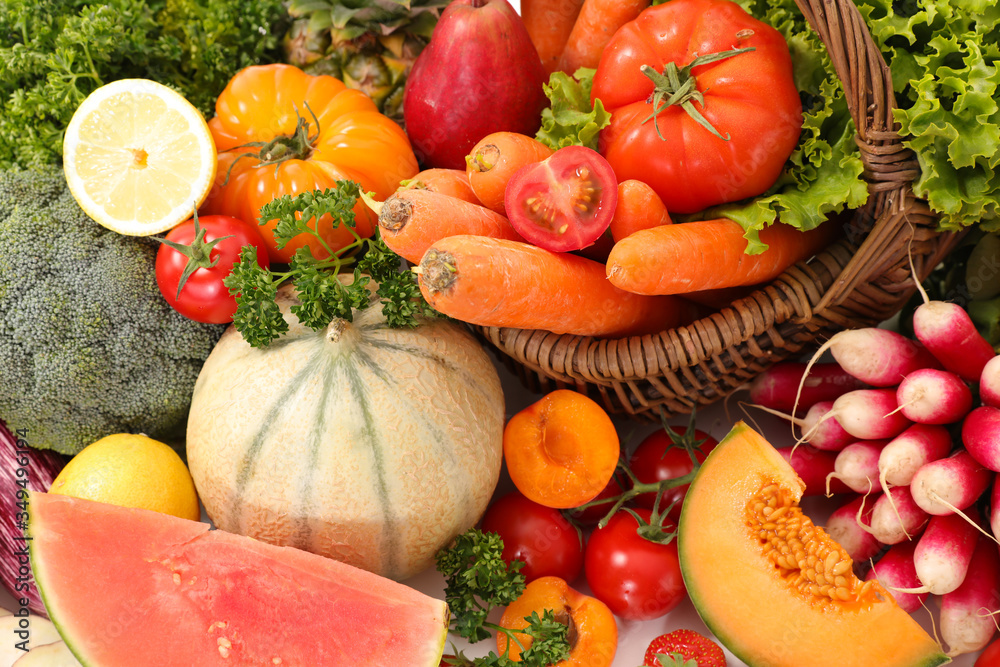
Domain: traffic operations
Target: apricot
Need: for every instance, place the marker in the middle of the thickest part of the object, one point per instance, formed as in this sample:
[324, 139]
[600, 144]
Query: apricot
[593, 632]
[562, 450]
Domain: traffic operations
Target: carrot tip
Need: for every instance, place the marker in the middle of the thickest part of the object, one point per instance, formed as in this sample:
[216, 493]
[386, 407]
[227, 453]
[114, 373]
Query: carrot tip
[437, 270]
[394, 213]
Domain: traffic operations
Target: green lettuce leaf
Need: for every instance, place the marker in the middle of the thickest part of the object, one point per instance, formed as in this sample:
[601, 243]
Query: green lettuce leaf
[570, 119]
[944, 56]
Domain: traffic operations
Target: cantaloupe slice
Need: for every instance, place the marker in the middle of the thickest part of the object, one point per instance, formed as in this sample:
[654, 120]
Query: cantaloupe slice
[774, 587]
[134, 587]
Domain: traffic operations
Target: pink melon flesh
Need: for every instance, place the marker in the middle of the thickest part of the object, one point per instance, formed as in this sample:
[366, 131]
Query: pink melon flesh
[134, 587]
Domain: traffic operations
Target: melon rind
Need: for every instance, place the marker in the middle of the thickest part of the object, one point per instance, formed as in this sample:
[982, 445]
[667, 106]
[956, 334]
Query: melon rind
[751, 611]
[133, 587]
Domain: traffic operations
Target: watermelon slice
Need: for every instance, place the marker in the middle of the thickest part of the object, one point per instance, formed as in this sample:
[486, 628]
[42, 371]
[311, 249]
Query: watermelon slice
[134, 587]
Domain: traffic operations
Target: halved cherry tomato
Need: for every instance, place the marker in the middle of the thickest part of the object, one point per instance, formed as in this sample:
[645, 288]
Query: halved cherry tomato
[662, 456]
[540, 536]
[203, 297]
[565, 202]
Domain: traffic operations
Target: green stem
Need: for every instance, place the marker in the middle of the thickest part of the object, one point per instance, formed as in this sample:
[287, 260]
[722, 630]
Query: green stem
[677, 86]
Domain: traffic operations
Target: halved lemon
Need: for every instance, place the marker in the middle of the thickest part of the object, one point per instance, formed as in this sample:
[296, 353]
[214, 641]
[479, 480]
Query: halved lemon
[138, 157]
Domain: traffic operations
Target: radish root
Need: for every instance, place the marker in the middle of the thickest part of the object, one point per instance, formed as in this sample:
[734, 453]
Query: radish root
[933, 495]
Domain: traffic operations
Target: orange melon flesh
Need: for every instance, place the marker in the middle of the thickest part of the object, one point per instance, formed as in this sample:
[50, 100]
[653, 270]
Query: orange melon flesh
[773, 587]
[134, 587]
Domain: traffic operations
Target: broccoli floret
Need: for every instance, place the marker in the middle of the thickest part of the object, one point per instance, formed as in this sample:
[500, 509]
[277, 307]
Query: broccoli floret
[88, 345]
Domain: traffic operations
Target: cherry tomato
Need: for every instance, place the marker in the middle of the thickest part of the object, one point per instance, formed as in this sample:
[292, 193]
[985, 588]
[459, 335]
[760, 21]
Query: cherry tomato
[660, 456]
[565, 202]
[540, 536]
[637, 579]
[990, 657]
[204, 298]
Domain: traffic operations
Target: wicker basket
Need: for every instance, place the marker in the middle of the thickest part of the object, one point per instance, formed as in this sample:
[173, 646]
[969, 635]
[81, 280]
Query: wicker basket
[859, 281]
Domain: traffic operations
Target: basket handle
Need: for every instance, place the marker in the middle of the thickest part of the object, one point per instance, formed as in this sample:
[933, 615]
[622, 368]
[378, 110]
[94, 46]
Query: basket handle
[890, 167]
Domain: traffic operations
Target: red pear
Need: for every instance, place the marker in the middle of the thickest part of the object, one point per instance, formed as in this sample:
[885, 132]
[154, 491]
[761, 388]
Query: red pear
[479, 74]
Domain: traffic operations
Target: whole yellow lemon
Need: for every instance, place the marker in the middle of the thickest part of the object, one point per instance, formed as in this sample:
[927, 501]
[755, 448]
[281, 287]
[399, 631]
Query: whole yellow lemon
[131, 471]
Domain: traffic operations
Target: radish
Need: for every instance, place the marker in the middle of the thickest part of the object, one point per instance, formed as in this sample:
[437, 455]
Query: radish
[944, 551]
[896, 517]
[950, 484]
[967, 613]
[857, 465]
[995, 507]
[989, 383]
[981, 435]
[947, 331]
[933, 396]
[842, 526]
[820, 427]
[898, 575]
[776, 387]
[869, 414]
[823, 430]
[878, 357]
[813, 466]
[900, 459]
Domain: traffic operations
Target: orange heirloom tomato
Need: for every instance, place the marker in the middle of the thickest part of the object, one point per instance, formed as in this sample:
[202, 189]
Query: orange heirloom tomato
[281, 131]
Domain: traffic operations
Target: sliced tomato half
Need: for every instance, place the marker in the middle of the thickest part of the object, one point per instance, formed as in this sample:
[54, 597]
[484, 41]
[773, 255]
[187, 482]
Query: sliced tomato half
[565, 202]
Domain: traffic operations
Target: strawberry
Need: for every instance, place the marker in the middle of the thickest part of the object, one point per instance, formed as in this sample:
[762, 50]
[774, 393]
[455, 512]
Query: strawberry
[684, 648]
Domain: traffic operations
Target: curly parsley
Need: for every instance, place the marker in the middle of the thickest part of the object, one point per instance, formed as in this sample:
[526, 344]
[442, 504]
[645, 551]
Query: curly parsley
[53, 53]
[477, 580]
[322, 294]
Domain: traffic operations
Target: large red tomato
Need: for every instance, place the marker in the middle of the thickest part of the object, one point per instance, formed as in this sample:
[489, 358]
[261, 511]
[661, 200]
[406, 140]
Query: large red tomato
[749, 98]
[281, 131]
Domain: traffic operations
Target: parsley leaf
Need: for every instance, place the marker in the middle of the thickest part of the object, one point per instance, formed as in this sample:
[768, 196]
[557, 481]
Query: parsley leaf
[321, 286]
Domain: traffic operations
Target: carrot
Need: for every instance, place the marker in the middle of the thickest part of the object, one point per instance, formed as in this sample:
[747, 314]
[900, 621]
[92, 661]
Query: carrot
[495, 158]
[708, 254]
[411, 220]
[639, 207]
[549, 23]
[452, 182]
[501, 283]
[597, 22]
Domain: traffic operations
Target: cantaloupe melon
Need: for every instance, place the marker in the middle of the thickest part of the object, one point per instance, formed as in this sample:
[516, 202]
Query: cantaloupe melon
[371, 445]
[774, 587]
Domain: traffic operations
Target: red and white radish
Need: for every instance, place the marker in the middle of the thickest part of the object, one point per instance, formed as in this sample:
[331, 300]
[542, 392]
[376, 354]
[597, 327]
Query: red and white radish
[896, 517]
[950, 484]
[869, 414]
[967, 618]
[981, 435]
[933, 396]
[823, 430]
[878, 357]
[896, 572]
[857, 465]
[813, 466]
[989, 383]
[947, 331]
[776, 387]
[944, 551]
[919, 444]
[995, 508]
[843, 526]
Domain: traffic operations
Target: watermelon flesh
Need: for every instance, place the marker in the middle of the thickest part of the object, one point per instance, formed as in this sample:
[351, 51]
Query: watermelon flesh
[134, 587]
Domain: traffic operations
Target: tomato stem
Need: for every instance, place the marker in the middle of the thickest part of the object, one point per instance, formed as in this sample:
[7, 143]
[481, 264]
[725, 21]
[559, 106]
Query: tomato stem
[199, 253]
[678, 86]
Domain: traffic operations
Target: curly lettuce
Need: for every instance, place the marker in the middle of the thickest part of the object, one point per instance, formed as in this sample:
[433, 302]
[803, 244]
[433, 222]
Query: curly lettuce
[944, 56]
[571, 119]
